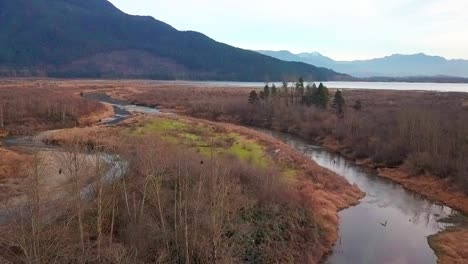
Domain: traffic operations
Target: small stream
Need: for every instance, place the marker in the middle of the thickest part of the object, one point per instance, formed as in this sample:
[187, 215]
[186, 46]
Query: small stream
[389, 226]
[122, 109]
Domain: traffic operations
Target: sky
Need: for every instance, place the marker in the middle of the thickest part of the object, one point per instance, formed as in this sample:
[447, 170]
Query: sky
[340, 29]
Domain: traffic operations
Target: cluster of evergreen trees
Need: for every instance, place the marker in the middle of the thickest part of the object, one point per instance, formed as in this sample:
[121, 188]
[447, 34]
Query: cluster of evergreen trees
[300, 94]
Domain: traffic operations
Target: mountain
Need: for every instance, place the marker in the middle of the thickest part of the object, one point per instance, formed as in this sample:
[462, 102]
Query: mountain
[396, 65]
[92, 38]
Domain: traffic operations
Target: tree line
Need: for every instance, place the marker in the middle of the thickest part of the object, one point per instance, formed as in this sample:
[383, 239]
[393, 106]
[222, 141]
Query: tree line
[301, 94]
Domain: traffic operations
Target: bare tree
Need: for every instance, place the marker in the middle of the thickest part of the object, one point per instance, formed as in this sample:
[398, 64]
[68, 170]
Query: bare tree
[74, 162]
[1, 115]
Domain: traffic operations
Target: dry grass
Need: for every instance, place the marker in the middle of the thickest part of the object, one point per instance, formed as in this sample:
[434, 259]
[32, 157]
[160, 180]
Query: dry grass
[376, 133]
[13, 171]
[451, 246]
[259, 198]
[28, 106]
[434, 188]
[54, 180]
[97, 116]
[423, 133]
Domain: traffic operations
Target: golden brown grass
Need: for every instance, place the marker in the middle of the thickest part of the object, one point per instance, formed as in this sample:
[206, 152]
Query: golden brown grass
[97, 116]
[421, 130]
[323, 192]
[436, 189]
[13, 170]
[28, 106]
[451, 246]
[371, 134]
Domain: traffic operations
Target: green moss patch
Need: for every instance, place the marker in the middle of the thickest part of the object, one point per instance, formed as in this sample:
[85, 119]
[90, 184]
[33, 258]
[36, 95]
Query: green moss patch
[208, 141]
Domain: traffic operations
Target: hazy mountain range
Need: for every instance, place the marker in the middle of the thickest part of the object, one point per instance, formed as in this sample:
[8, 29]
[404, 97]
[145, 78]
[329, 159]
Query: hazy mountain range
[94, 39]
[396, 65]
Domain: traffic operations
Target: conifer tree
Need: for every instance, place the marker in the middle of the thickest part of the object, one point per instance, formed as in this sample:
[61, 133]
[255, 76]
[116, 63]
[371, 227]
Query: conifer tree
[253, 98]
[338, 103]
[274, 90]
[321, 96]
[266, 90]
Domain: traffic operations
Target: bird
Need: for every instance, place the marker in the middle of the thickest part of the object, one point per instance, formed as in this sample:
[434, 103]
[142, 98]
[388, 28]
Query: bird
[383, 224]
[60, 171]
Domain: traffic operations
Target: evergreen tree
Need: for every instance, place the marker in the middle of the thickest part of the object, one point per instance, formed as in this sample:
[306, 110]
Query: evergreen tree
[321, 96]
[301, 81]
[266, 91]
[338, 102]
[299, 93]
[285, 92]
[274, 90]
[253, 98]
[262, 95]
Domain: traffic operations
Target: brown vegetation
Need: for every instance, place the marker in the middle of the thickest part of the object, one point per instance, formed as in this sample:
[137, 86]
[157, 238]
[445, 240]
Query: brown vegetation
[423, 133]
[177, 205]
[451, 246]
[27, 106]
[420, 132]
[432, 187]
[13, 170]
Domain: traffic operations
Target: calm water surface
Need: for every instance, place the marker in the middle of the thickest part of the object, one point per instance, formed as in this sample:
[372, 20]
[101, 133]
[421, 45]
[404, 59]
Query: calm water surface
[389, 226]
[444, 87]
[364, 237]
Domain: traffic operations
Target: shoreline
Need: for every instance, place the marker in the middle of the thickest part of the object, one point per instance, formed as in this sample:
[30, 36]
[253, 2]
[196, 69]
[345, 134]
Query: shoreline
[425, 185]
[327, 203]
[450, 245]
[448, 197]
[327, 192]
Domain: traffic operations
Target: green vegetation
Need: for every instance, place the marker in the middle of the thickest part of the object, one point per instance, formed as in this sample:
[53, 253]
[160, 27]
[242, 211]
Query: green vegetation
[165, 125]
[207, 141]
[173, 205]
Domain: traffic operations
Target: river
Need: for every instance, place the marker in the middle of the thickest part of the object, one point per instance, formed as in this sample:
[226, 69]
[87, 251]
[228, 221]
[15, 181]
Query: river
[389, 226]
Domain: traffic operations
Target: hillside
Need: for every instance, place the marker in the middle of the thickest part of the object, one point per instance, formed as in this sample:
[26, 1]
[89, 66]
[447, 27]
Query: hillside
[75, 38]
[396, 65]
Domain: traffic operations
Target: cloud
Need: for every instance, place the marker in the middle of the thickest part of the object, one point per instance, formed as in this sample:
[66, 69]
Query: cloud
[342, 29]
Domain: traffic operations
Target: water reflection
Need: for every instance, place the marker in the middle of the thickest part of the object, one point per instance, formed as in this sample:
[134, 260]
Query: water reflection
[390, 225]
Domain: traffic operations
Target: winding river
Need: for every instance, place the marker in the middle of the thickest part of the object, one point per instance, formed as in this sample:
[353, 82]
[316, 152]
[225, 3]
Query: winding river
[389, 226]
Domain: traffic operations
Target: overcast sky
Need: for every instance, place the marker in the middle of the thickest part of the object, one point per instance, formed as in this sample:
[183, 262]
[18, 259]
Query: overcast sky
[341, 29]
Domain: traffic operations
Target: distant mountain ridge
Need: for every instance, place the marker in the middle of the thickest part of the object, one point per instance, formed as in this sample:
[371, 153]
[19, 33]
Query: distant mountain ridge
[396, 65]
[94, 39]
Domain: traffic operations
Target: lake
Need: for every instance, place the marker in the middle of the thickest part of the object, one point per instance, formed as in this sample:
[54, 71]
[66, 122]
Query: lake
[443, 87]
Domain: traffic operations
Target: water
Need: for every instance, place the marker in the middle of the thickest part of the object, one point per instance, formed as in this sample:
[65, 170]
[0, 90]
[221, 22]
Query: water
[389, 226]
[443, 87]
[122, 109]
